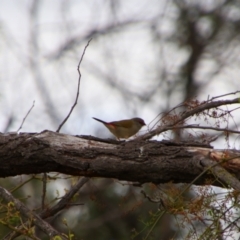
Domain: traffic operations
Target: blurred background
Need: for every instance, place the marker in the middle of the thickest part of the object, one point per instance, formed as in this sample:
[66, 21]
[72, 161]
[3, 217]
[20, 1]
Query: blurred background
[145, 57]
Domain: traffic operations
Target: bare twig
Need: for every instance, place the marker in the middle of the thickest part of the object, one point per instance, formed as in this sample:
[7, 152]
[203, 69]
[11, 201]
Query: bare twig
[33, 217]
[26, 116]
[197, 126]
[224, 95]
[79, 80]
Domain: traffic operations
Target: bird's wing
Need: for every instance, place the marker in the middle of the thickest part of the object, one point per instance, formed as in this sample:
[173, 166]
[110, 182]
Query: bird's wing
[123, 123]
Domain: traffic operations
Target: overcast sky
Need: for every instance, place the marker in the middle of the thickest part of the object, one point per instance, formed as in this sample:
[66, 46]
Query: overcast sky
[41, 44]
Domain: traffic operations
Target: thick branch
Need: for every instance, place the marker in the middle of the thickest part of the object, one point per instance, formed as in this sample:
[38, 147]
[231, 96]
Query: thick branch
[222, 174]
[137, 161]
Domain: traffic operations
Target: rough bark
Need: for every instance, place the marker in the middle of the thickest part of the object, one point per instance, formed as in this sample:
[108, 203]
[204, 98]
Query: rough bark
[136, 161]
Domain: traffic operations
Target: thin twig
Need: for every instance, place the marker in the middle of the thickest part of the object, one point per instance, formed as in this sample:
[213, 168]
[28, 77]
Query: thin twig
[79, 80]
[26, 116]
[197, 126]
[224, 95]
[165, 114]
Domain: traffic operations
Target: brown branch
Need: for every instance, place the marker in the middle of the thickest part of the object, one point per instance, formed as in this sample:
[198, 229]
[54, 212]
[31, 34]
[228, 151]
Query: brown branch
[224, 95]
[197, 126]
[221, 173]
[147, 161]
[65, 199]
[78, 88]
[56, 208]
[187, 114]
[44, 226]
[26, 116]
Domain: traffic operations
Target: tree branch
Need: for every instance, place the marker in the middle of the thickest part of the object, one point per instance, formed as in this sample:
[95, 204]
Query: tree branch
[65, 199]
[197, 126]
[187, 114]
[221, 173]
[56, 208]
[44, 226]
[136, 161]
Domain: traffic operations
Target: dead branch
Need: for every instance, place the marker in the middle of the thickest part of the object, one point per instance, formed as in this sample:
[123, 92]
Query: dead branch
[135, 161]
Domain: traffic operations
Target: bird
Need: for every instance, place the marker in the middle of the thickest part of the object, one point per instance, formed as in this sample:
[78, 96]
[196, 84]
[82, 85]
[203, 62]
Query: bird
[123, 128]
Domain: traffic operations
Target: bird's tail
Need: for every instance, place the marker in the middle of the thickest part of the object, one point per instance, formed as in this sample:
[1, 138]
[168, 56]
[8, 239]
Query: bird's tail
[99, 120]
